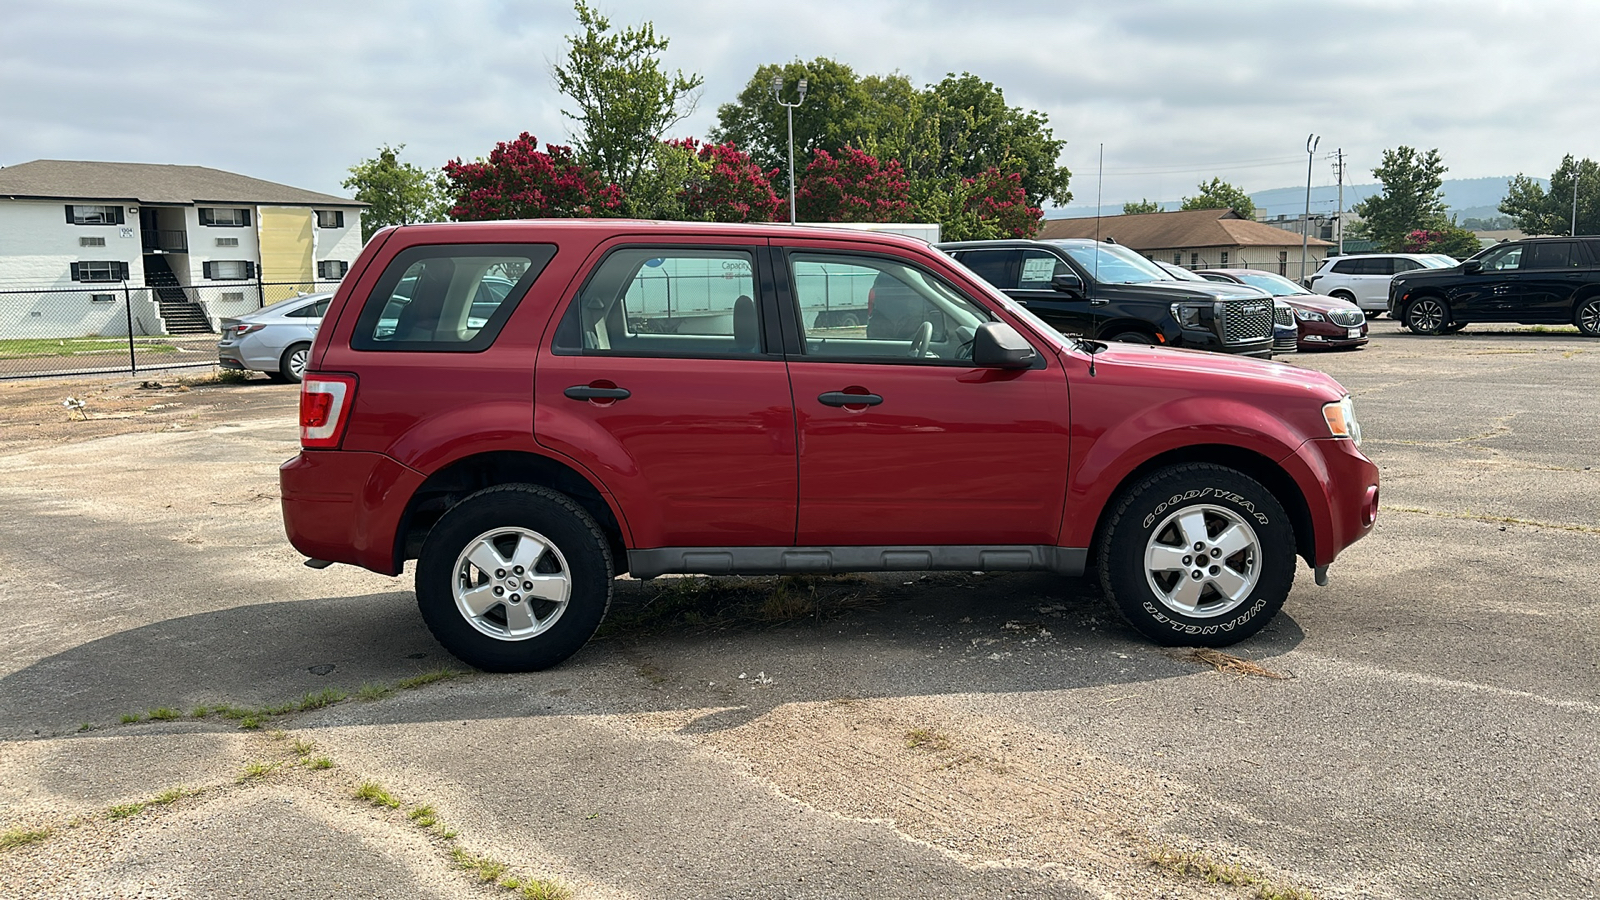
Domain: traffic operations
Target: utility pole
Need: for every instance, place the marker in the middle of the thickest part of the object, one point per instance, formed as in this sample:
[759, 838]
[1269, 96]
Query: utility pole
[1305, 224]
[777, 94]
[1338, 219]
[1576, 172]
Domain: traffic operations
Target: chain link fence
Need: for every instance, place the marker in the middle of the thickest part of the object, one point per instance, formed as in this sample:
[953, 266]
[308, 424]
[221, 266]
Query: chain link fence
[118, 328]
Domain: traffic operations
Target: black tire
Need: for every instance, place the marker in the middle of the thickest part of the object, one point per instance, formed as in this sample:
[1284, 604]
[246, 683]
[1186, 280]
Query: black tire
[1343, 295]
[504, 516]
[1133, 337]
[1428, 315]
[1587, 316]
[292, 365]
[1145, 525]
[849, 320]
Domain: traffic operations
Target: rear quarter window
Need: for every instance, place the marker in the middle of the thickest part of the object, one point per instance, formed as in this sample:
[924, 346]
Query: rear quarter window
[448, 298]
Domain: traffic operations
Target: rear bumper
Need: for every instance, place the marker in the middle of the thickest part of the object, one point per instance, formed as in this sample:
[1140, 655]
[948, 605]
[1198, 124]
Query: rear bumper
[1341, 489]
[346, 506]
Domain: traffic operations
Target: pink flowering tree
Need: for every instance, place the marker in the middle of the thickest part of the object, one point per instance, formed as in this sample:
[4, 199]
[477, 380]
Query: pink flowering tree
[726, 185]
[853, 187]
[520, 181]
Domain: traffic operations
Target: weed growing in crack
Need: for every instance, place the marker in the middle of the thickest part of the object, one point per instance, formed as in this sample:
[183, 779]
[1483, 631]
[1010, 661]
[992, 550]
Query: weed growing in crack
[926, 739]
[1189, 863]
[377, 795]
[22, 837]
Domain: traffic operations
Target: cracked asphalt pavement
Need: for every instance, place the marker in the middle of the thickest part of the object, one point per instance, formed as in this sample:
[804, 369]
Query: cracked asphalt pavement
[1433, 734]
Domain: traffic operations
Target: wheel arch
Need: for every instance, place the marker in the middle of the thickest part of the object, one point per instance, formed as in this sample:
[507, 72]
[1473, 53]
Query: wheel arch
[448, 485]
[1271, 476]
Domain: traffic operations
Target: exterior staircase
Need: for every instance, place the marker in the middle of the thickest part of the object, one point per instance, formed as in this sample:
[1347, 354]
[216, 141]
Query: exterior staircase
[181, 314]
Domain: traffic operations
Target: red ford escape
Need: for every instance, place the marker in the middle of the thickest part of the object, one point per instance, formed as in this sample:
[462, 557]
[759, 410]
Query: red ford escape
[530, 409]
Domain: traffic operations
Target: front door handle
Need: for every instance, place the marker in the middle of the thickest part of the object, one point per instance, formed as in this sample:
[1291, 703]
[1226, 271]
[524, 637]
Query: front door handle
[586, 392]
[841, 398]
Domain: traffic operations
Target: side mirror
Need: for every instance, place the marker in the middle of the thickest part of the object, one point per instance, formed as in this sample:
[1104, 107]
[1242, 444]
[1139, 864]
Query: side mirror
[1067, 283]
[1472, 266]
[997, 345]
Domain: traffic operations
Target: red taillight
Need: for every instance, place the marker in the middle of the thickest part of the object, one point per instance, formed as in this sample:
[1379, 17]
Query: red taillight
[325, 402]
[241, 329]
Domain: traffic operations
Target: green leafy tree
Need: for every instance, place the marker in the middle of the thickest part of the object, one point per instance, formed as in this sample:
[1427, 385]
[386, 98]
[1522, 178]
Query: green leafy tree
[1537, 211]
[841, 109]
[1411, 198]
[1140, 208]
[396, 193]
[624, 100]
[964, 128]
[1218, 194]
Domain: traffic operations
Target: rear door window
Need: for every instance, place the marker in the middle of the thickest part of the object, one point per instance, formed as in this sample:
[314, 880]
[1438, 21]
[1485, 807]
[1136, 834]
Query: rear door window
[448, 297]
[1556, 255]
[998, 267]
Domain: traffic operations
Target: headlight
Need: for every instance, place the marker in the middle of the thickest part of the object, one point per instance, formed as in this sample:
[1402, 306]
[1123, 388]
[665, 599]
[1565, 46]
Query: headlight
[1341, 418]
[1188, 315]
[1308, 315]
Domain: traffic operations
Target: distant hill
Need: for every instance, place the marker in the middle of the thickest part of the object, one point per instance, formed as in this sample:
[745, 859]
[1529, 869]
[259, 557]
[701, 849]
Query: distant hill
[1466, 197]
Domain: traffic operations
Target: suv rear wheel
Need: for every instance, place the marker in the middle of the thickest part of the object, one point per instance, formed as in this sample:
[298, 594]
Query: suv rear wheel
[1428, 315]
[1587, 317]
[1198, 555]
[514, 578]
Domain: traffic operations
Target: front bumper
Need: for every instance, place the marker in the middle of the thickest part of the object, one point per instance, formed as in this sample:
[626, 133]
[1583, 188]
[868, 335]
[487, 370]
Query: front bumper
[1341, 489]
[1326, 335]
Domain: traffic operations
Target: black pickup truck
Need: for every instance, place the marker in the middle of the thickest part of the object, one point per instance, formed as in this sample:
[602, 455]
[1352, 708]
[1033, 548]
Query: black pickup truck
[1107, 291]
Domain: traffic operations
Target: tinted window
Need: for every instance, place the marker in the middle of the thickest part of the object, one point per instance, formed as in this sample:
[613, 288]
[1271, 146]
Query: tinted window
[1352, 267]
[1503, 259]
[1405, 265]
[1038, 268]
[998, 267]
[656, 301]
[1559, 255]
[442, 297]
[907, 307]
[311, 310]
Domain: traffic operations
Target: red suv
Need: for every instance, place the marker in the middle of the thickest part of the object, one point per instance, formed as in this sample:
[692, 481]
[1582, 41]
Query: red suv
[653, 398]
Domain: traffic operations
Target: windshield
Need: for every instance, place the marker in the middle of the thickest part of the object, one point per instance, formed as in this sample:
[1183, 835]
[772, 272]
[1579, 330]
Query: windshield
[1275, 285]
[1438, 261]
[1114, 264]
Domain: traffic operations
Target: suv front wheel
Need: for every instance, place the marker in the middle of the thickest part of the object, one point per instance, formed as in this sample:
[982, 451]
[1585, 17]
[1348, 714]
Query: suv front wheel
[1198, 555]
[1428, 315]
[514, 578]
[1587, 317]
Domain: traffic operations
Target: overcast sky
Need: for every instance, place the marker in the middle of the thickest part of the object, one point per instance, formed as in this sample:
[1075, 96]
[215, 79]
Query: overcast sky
[296, 92]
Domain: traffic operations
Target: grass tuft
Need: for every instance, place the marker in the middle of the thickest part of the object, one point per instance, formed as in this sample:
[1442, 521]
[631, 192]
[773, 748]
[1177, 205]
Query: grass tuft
[126, 810]
[416, 681]
[171, 795]
[303, 748]
[424, 816]
[1187, 863]
[377, 795]
[370, 692]
[1228, 664]
[926, 739]
[249, 722]
[483, 867]
[130, 718]
[22, 837]
[256, 770]
[200, 712]
[538, 888]
[87, 726]
[165, 714]
[321, 762]
[322, 698]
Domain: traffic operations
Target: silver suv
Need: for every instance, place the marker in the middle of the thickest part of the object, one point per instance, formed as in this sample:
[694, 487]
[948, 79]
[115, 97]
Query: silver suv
[1363, 279]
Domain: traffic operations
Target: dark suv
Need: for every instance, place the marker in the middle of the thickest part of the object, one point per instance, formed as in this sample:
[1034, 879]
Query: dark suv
[1540, 281]
[657, 397]
[1103, 290]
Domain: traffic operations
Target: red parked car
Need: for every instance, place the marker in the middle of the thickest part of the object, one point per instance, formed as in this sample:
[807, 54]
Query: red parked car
[647, 398]
[1325, 323]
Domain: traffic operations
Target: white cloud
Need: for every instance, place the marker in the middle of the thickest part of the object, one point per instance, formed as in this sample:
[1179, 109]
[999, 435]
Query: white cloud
[298, 91]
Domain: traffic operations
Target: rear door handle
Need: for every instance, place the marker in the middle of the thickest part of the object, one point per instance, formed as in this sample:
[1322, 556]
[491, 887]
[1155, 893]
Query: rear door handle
[841, 398]
[585, 392]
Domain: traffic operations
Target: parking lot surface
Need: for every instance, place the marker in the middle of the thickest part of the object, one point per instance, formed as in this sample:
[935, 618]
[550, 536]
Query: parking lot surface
[1424, 727]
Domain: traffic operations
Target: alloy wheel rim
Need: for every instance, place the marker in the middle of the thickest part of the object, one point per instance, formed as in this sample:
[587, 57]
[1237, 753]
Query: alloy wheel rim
[1590, 317]
[511, 583]
[1427, 315]
[1203, 561]
[297, 362]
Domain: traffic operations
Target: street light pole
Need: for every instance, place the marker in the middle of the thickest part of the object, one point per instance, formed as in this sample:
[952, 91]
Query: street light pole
[1576, 172]
[1305, 224]
[777, 94]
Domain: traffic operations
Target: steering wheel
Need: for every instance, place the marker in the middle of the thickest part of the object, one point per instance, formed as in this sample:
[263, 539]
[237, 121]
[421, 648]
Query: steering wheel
[921, 340]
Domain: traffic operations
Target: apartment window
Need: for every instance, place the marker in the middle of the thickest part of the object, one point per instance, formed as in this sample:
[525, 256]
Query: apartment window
[91, 242]
[223, 217]
[1177, 259]
[1194, 260]
[79, 214]
[330, 218]
[1224, 262]
[100, 270]
[1283, 262]
[332, 269]
[227, 242]
[229, 269]
[102, 298]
